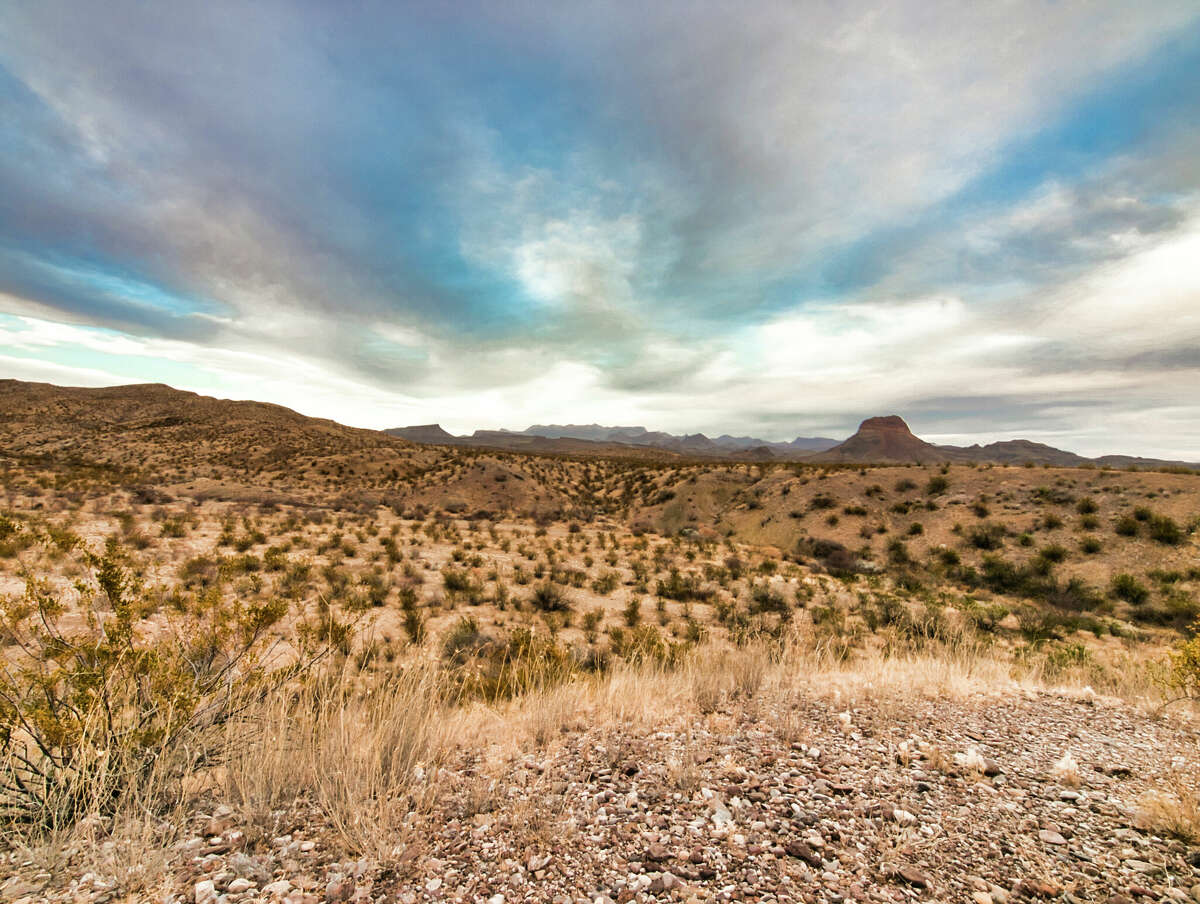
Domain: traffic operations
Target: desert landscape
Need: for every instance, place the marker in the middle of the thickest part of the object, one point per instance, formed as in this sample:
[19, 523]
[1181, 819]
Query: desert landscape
[316, 663]
[600, 452]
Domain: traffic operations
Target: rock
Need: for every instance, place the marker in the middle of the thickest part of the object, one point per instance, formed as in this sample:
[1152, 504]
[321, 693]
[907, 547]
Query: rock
[981, 897]
[1038, 888]
[247, 867]
[903, 817]
[1118, 899]
[909, 874]
[278, 889]
[657, 853]
[537, 862]
[1141, 866]
[433, 884]
[205, 892]
[239, 885]
[802, 851]
[16, 888]
[1049, 837]
[339, 889]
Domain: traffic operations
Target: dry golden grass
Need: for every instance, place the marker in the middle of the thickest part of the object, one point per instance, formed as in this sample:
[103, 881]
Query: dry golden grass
[1173, 810]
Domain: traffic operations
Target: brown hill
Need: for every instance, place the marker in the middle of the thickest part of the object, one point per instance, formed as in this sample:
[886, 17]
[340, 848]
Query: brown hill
[155, 433]
[885, 439]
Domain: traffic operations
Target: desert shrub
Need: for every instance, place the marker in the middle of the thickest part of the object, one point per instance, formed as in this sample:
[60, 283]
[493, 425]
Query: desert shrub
[632, 612]
[1064, 656]
[1126, 526]
[1179, 676]
[1053, 553]
[936, 485]
[521, 663]
[646, 644]
[91, 711]
[1076, 595]
[1165, 530]
[948, 557]
[1087, 506]
[462, 640]
[606, 583]
[986, 536]
[549, 597]
[764, 599]
[905, 485]
[683, 587]
[1090, 545]
[833, 556]
[822, 501]
[1126, 587]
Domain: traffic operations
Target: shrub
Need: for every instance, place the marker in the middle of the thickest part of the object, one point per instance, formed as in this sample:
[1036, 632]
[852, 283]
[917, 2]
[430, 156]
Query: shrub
[549, 597]
[1090, 545]
[1165, 530]
[1086, 506]
[936, 485]
[986, 536]
[1179, 676]
[632, 612]
[1126, 526]
[683, 588]
[1126, 587]
[89, 712]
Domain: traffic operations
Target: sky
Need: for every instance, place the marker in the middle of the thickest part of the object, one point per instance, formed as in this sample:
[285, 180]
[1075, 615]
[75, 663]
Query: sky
[767, 218]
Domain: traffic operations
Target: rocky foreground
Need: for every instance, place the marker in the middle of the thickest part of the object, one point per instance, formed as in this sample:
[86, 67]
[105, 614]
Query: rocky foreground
[973, 800]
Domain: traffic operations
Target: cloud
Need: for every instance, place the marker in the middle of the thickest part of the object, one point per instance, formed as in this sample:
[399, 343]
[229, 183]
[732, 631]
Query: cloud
[774, 217]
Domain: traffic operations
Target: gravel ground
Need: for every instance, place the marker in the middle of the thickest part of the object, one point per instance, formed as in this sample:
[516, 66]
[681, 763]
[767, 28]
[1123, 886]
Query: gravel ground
[940, 800]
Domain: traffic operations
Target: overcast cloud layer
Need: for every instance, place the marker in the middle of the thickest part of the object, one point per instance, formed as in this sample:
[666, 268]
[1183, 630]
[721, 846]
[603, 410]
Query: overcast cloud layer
[768, 218]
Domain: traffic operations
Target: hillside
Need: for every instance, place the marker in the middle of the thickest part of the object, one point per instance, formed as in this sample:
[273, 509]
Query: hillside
[612, 677]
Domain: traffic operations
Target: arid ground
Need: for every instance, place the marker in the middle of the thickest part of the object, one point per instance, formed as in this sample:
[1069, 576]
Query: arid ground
[251, 656]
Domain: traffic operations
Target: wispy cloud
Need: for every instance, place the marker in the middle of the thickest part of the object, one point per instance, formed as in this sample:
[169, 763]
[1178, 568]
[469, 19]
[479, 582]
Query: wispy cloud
[773, 218]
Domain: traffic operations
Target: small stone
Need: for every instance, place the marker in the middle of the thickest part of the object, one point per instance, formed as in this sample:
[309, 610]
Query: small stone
[1050, 837]
[278, 889]
[1038, 888]
[802, 851]
[981, 897]
[1141, 866]
[657, 853]
[205, 892]
[340, 889]
[903, 817]
[433, 884]
[239, 885]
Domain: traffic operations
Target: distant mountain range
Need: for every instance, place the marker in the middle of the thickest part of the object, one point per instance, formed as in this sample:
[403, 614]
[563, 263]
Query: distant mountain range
[570, 436]
[878, 439]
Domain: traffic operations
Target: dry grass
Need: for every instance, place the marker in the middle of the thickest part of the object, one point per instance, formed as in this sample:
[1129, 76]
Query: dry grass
[364, 757]
[1174, 810]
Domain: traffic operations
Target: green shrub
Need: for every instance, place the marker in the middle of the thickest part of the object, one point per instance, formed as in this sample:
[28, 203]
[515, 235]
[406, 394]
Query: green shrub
[549, 597]
[1165, 530]
[986, 536]
[1179, 676]
[89, 711]
[1126, 587]
[1126, 526]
